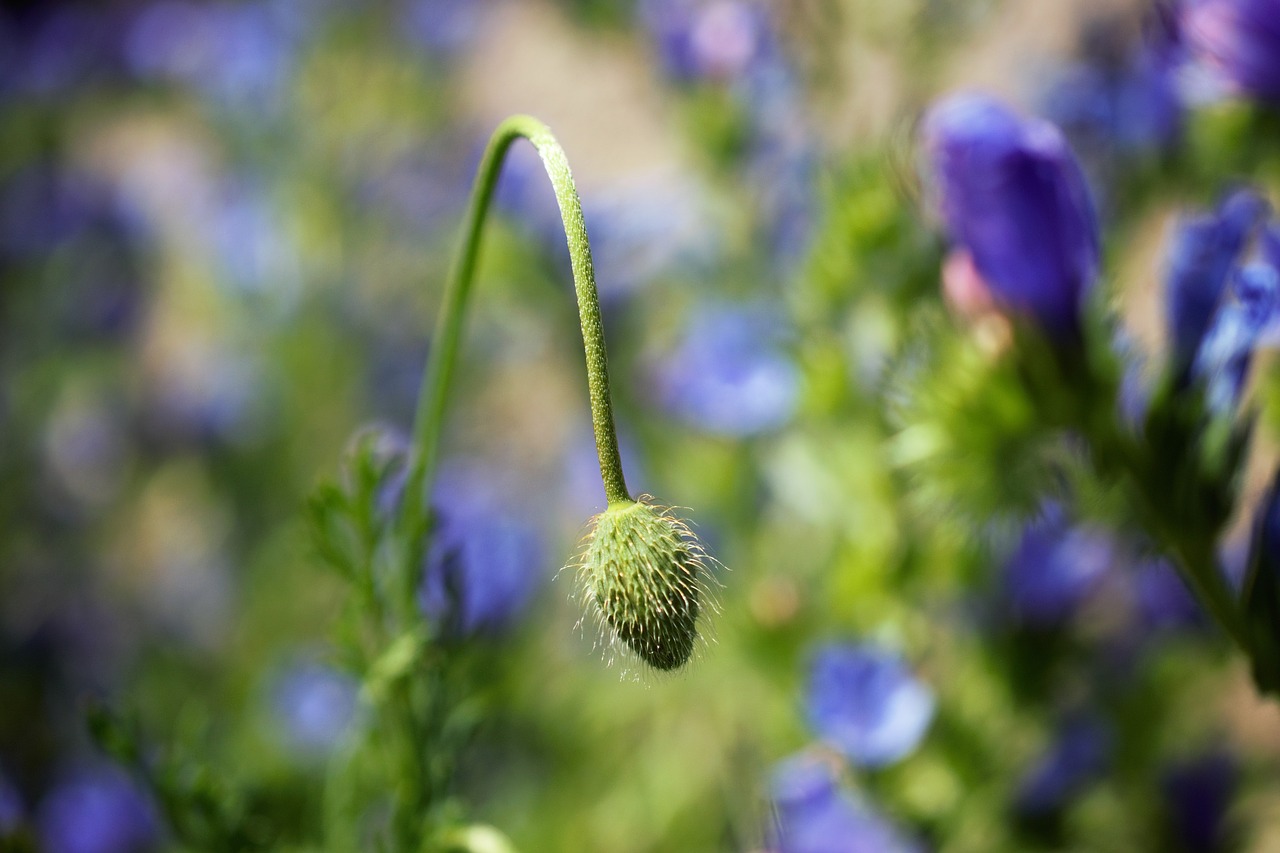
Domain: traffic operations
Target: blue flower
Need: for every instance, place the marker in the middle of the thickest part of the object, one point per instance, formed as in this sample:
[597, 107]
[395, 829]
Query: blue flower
[729, 373]
[1129, 102]
[1162, 598]
[314, 706]
[1227, 351]
[1054, 568]
[97, 810]
[865, 702]
[717, 40]
[1012, 195]
[1238, 41]
[1077, 757]
[1197, 796]
[441, 27]
[1204, 252]
[483, 565]
[480, 574]
[237, 55]
[815, 816]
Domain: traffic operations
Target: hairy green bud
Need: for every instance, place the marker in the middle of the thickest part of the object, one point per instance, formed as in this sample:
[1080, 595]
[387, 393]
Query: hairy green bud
[643, 571]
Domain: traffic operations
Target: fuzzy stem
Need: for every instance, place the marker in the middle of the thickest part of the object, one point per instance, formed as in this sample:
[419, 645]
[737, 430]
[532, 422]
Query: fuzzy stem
[444, 346]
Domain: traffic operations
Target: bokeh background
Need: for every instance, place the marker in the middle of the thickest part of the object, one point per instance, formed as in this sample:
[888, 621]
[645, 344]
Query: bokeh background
[224, 229]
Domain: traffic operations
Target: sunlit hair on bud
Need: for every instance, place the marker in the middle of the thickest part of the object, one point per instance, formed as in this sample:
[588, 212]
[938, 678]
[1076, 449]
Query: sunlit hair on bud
[646, 577]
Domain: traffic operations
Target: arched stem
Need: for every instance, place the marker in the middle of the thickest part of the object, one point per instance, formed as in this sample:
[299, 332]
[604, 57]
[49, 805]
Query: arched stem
[433, 398]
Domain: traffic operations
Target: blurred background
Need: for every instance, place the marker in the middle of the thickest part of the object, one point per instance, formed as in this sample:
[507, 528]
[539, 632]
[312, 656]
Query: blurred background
[224, 229]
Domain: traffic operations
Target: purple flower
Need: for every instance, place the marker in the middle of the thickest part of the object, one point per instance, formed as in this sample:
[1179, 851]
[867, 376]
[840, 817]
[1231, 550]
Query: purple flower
[1054, 568]
[480, 574]
[237, 55]
[482, 570]
[1205, 250]
[1078, 756]
[729, 373]
[864, 701]
[313, 706]
[716, 40]
[441, 27]
[1238, 41]
[1197, 796]
[1162, 598]
[1226, 354]
[815, 816]
[97, 810]
[1013, 196]
[1121, 97]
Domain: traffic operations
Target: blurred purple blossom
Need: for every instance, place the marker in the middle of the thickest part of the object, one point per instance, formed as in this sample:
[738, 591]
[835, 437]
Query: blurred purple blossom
[97, 810]
[864, 700]
[815, 816]
[1162, 599]
[1121, 95]
[313, 706]
[730, 373]
[47, 48]
[1197, 797]
[705, 39]
[442, 28]
[1237, 41]
[237, 55]
[1225, 356]
[1078, 755]
[733, 44]
[644, 228]
[1011, 192]
[1204, 251]
[250, 244]
[484, 563]
[1055, 567]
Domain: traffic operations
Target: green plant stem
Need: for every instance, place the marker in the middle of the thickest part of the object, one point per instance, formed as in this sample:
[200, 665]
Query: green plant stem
[433, 398]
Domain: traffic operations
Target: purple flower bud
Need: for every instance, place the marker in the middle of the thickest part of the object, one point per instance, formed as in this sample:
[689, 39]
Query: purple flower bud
[1227, 352]
[1054, 568]
[815, 816]
[1197, 796]
[1077, 757]
[1238, 41]
[1204, 252]
[97, 810]
[1012, 194]
[865, 702]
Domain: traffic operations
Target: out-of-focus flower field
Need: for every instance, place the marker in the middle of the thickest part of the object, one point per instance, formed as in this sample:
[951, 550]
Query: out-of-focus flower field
[946, 325]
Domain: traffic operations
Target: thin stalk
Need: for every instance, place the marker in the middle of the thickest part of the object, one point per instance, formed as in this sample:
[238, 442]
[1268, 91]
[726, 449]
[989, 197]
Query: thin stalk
[433, 397]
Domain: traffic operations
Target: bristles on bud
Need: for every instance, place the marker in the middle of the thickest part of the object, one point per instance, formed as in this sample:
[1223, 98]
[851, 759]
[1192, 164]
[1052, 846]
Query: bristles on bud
[643, 571]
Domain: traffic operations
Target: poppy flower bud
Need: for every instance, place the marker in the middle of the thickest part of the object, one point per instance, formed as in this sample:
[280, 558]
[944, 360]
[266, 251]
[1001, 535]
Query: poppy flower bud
[643, 571]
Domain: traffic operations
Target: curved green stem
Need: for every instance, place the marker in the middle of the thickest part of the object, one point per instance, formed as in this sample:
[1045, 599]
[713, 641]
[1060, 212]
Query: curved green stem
[444, 346]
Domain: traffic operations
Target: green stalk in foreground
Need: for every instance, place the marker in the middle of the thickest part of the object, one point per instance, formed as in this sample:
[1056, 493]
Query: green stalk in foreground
[642, 569]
